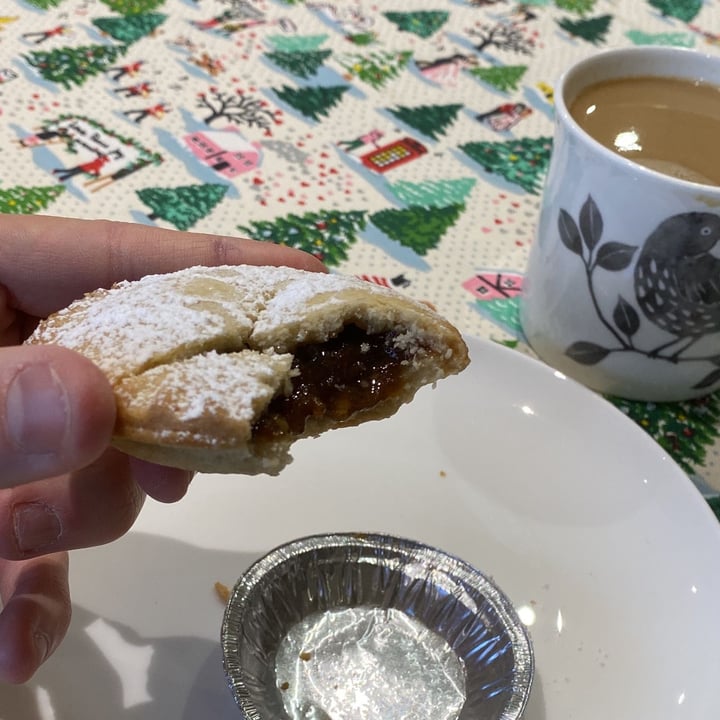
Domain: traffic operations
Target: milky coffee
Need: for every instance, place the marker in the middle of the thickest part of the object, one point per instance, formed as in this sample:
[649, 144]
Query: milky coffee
[671, 125]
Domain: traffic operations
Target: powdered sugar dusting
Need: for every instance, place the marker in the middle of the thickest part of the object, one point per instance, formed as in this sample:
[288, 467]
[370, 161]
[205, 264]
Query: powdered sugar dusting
[233, 387]
[137, 325]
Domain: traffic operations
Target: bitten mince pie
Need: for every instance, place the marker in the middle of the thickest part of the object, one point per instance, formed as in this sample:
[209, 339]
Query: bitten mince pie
[222, 369]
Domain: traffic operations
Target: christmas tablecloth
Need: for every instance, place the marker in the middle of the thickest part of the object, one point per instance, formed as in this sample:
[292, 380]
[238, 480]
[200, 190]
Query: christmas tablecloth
[403, 141]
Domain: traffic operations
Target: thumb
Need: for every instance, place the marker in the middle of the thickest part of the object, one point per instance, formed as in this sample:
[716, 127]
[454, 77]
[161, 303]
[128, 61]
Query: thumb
[57, 413]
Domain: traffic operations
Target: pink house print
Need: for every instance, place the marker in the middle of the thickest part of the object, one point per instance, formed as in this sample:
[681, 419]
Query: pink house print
[491, 285]
[226, 152]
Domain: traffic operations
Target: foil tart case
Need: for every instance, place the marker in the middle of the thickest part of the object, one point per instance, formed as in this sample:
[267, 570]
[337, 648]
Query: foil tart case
[355, 626]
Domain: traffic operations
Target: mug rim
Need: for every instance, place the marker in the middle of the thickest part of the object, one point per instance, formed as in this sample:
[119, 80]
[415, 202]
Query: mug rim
[562, 113]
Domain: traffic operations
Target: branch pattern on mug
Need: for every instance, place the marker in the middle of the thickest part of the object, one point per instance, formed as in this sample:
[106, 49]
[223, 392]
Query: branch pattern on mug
[676, 283]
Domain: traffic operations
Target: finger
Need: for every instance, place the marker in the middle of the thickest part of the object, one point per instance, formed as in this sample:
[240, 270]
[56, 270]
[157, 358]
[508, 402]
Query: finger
[35, 616]
[90, 507]
[161, 483]
[12, 331]
[7, 314]
[47, 262]
[57, 412]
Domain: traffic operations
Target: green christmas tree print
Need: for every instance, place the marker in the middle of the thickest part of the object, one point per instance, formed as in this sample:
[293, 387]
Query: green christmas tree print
[377, 67]
[130, 28]
[326, 235]
[182, 206]
[44, 4]
[312, 101]
[296, 43]
[433, 193]
[685, 430]
[303, 63]
[361, 39]
[74, 65]
[714, 503]
[419, 228]
[430, 120]
[581, 7]
[673, 39]
[133, 7]
[422, 22]
[501, 77]
[593, 30]
[26, 201]
[523, 161]
[681, 9]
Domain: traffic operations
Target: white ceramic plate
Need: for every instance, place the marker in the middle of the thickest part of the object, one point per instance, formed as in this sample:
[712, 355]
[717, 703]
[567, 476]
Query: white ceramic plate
[603, 544]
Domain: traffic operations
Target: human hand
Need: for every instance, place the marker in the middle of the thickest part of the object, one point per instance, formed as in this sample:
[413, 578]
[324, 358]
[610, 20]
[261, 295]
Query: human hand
[61, 486]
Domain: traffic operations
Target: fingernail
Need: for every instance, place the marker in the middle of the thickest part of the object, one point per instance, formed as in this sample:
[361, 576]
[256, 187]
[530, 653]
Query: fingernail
[36, 526]
[36, 410]
[42, 645]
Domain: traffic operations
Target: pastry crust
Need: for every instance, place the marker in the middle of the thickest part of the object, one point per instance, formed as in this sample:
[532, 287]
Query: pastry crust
[196, 357]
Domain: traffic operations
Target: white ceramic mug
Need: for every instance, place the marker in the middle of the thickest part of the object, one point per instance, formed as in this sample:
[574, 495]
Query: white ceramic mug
[622, 290]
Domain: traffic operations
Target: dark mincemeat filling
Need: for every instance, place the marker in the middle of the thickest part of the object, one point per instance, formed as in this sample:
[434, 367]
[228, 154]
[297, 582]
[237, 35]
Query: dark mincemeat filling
[350, 372]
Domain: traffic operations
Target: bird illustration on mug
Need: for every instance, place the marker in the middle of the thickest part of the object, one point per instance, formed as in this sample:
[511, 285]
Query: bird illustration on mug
[677, 279]
[675, 282]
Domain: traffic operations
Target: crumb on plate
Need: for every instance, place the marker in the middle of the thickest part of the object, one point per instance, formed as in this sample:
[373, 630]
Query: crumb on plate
[223, 591]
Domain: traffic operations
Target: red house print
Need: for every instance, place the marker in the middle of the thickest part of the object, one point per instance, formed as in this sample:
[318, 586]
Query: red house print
[224, 151]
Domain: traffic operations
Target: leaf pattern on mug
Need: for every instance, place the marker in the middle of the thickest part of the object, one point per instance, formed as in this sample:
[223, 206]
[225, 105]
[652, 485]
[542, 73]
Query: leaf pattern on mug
[591, 223]
[587, 353]
[569, 233]
[626, 317]
[615, 256]
[708, 381]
